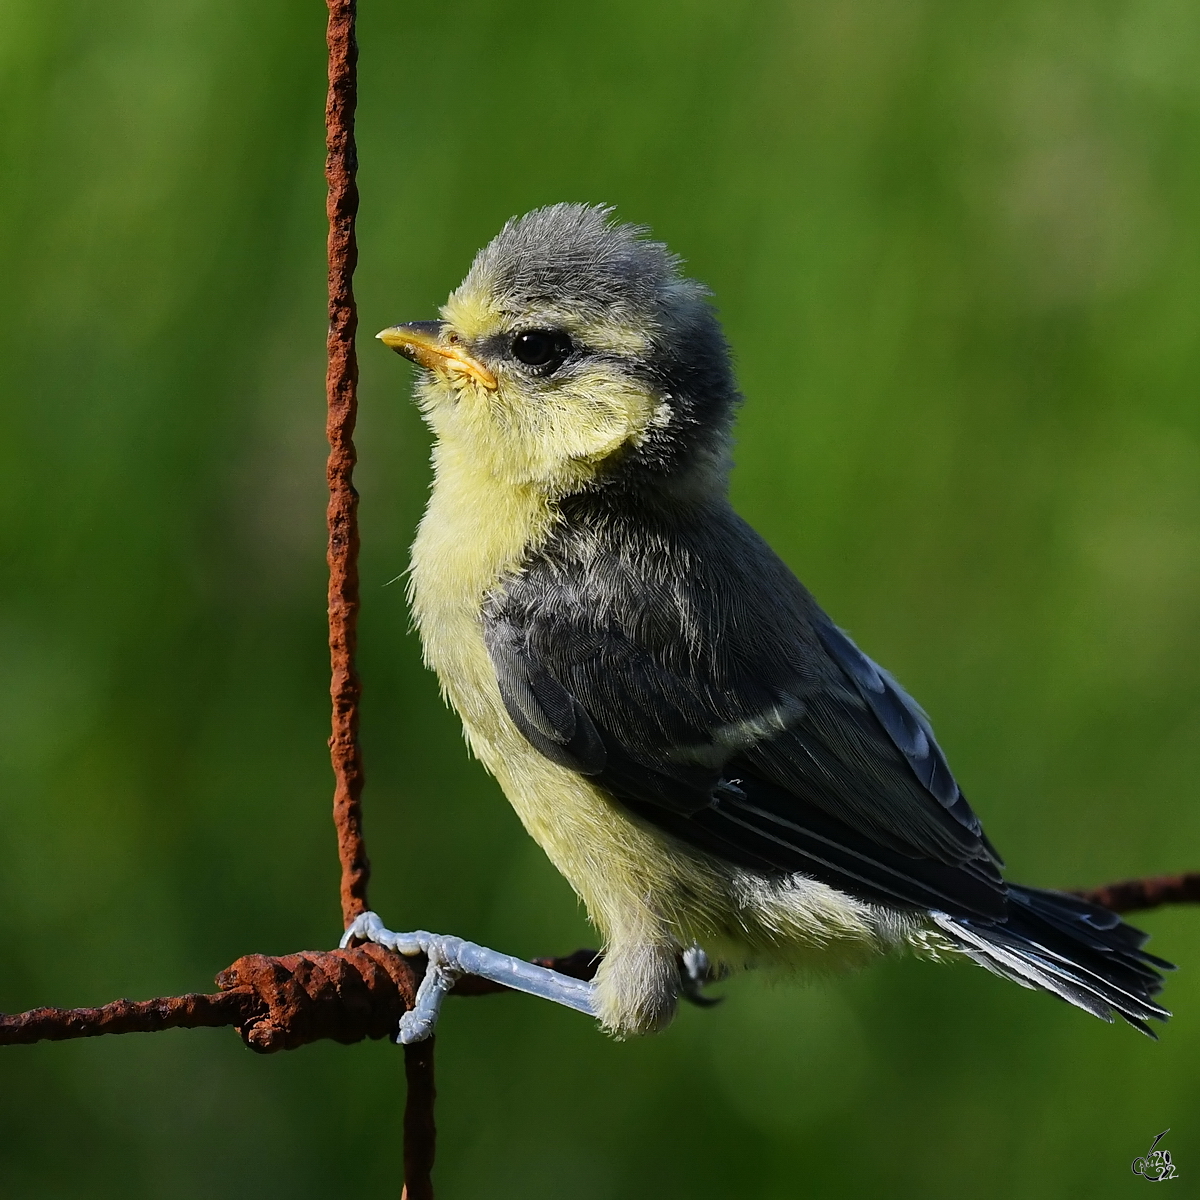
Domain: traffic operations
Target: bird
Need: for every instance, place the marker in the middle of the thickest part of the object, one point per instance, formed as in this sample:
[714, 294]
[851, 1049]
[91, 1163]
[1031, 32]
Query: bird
[721, 774]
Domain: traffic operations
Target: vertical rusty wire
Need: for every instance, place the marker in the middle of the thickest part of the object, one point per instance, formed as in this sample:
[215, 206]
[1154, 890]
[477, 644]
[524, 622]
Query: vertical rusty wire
[420, 1132]
[341, 389]
[341, 384]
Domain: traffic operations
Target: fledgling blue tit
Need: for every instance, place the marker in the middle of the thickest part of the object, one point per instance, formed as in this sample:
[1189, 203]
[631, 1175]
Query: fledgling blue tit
[711, 762]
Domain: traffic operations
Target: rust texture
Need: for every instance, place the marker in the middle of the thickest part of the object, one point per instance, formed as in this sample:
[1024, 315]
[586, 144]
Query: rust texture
[341, 391]
[343, 995]
[1138, 895]
[275, 1003]
[420, 1131]
[194, 1011]
[278, 1003]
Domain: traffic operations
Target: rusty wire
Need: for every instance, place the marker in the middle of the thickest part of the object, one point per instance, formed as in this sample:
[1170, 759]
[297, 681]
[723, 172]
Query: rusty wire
[420, 1130]
[280, 1003]
[1138, 895]
[341, 393]
[348, 995]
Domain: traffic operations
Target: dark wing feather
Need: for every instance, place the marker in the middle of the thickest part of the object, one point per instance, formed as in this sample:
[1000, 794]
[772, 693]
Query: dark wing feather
[704, 689]
[906, 724]
[898, 713]
[549, 717]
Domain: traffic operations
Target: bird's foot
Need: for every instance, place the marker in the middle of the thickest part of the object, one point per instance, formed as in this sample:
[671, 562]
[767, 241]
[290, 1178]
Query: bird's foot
[696, 971]
[450, 958]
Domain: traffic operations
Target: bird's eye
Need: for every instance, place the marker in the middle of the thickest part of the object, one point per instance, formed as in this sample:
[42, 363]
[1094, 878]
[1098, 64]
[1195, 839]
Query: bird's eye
[544, 349]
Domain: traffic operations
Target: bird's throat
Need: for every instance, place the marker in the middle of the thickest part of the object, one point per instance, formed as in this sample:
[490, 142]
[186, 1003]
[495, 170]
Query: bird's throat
[477, 529]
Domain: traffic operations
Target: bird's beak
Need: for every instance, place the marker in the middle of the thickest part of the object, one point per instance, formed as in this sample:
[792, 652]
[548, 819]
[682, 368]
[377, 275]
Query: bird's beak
[421, 342]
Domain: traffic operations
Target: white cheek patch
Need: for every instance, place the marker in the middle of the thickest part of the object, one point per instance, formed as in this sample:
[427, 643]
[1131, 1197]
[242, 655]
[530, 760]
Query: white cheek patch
[551, 436]
[592, 417]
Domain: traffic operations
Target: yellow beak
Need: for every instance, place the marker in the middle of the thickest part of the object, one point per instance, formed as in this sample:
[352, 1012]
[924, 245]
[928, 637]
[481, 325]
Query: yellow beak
[421, 342]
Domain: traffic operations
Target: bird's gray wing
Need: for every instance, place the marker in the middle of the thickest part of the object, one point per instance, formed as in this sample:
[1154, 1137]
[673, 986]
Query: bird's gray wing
[840, 736]
[722, 706]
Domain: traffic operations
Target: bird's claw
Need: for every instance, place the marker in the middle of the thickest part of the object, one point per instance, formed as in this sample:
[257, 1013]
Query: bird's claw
[452, 957]
[441, 973]
[367, 927]
[696, 971]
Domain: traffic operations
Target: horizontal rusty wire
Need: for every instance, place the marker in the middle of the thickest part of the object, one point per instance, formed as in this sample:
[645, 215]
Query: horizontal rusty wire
[349, 995]
[1139, 895]
[277, 1003]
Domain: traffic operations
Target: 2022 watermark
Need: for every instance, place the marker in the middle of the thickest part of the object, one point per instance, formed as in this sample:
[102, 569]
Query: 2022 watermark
[1156, 1165]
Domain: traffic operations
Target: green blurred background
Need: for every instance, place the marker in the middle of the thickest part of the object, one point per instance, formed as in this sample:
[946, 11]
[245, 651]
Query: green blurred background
[957, 250]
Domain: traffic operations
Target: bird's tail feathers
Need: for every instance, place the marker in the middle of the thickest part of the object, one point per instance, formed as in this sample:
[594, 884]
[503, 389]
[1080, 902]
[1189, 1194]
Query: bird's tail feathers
[1073, 949]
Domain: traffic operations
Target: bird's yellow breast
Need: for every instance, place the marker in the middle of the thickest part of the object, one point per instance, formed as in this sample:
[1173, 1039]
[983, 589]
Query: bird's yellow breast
[477, 530]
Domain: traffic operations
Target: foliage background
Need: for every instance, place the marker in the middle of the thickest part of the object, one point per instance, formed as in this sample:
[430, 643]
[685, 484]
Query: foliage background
[957, 248]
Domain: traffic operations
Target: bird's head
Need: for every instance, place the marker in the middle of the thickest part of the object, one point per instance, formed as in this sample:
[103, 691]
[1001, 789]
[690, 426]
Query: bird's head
[574, 354]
